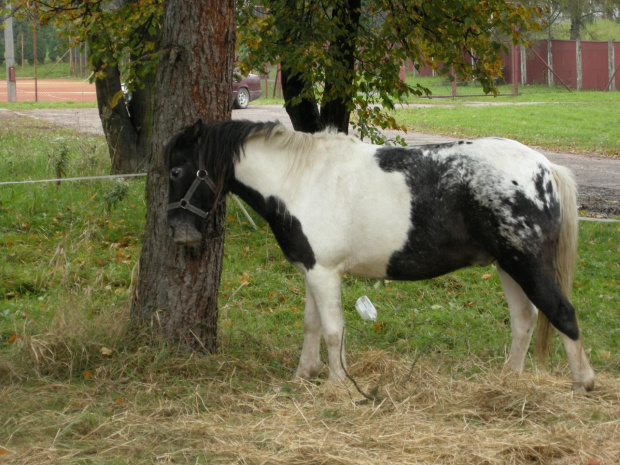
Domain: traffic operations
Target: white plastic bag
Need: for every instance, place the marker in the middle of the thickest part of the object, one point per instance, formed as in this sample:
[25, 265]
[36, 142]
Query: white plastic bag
[366, 309]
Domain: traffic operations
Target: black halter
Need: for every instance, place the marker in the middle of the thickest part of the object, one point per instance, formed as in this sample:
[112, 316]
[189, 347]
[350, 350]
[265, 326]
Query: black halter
[201, 176]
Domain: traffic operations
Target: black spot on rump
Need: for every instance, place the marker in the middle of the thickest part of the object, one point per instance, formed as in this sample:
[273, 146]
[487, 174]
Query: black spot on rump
[539, 182]
[550, 188]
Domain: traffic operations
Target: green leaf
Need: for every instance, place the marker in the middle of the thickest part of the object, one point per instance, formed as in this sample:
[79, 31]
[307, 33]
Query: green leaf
[116, 98]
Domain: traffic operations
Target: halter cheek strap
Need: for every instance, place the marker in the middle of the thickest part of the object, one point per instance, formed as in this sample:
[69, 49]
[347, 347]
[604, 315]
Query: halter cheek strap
[201, 176]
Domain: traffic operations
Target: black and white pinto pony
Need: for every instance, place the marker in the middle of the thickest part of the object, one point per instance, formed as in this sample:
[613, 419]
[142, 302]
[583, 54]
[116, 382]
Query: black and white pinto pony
[337, 205]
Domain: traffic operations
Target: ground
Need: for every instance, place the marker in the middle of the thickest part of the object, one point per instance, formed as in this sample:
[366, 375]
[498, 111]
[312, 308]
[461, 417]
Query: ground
[77, 395]
[597, 177]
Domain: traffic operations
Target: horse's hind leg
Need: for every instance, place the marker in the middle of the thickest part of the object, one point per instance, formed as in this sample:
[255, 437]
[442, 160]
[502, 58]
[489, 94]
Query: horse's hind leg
[561, 314]
[324, 284]
[522, 320]
[310, 361]
[583, 375]
[542, 290]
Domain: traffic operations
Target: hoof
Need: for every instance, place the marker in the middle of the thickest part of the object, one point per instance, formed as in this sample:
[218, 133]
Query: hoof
[308, 372]
[584, 387]
[336, 376]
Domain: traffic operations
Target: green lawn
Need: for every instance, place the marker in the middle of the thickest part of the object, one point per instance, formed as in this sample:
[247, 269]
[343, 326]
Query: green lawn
[49, 69]
[580, 124]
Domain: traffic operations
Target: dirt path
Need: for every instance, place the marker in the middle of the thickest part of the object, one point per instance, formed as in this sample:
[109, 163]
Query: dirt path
[598, 177]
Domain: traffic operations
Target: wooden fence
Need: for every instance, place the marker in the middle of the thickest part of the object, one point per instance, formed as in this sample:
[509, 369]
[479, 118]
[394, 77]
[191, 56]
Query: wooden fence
[576, 64]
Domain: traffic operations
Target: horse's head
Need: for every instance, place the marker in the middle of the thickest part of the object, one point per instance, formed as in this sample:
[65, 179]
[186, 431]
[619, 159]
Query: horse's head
[192, 193]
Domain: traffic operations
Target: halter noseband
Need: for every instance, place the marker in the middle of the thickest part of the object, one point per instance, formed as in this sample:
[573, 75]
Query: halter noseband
[201, 176]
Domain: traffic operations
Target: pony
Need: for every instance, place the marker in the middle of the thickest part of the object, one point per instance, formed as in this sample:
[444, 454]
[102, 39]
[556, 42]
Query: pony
[337, 205]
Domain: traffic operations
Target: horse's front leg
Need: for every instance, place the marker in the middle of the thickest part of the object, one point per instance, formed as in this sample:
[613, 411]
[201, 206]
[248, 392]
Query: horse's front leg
[324, 286]
[310, 360]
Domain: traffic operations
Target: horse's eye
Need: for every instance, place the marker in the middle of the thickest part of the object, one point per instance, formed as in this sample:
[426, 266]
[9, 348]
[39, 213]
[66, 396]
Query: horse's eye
[175, 173]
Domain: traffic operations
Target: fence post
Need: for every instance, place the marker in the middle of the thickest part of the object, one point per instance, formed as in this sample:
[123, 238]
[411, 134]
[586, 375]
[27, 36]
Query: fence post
[279, 81]
[611, 64]
[551, 70]
[515, 80]
[549, 63]
[34, 53]
[578, 60]
[523, 57]
[453, 81]
[9, 55]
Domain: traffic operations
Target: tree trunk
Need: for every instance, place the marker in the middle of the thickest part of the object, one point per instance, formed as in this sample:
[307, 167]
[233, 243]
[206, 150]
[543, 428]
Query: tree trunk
[177, 287]
[577, 12]
[126, 125]
[304, 115]
[575, 28]
[335, 111]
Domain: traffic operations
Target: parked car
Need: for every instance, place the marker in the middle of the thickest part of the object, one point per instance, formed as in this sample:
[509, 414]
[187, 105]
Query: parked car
[245, 89]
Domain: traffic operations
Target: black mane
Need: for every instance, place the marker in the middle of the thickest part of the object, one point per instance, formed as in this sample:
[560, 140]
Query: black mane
[222, 142]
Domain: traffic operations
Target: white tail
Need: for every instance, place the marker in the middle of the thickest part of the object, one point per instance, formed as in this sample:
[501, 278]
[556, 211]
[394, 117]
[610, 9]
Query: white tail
[565, 254]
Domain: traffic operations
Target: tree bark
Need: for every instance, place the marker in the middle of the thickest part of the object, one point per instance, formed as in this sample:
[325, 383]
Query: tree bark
[336, 112]
[575, 28]
[178, 287]
[304, 115]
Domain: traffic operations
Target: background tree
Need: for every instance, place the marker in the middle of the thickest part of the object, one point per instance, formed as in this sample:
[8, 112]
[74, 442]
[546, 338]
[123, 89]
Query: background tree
[578, 13]
[1, 39]
[122, 38]
[340, 56]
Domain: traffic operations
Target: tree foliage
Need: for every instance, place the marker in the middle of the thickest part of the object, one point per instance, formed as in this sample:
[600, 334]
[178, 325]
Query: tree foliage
[118, 32]
[348, 53]
[123, 52]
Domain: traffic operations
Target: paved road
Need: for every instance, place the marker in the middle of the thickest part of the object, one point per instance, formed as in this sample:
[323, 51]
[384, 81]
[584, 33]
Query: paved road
[598, 177]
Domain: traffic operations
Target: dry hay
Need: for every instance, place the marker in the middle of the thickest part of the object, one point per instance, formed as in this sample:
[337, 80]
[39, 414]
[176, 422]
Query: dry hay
[432, 415]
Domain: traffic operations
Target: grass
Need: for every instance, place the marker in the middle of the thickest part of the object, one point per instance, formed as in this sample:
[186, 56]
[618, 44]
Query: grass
[602, 29]
[540, 93]
[49, 221]
[76, 387]
[31, 105]
[50, 69]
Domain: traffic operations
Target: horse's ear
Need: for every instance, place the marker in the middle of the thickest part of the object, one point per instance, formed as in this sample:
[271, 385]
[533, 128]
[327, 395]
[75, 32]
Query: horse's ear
[197, 127]
[191, 133]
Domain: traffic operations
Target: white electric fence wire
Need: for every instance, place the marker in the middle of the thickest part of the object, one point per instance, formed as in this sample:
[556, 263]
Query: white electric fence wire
[82, 178]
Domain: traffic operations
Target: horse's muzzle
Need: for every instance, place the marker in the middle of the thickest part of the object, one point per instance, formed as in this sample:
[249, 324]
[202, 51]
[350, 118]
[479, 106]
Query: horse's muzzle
[185, 235]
